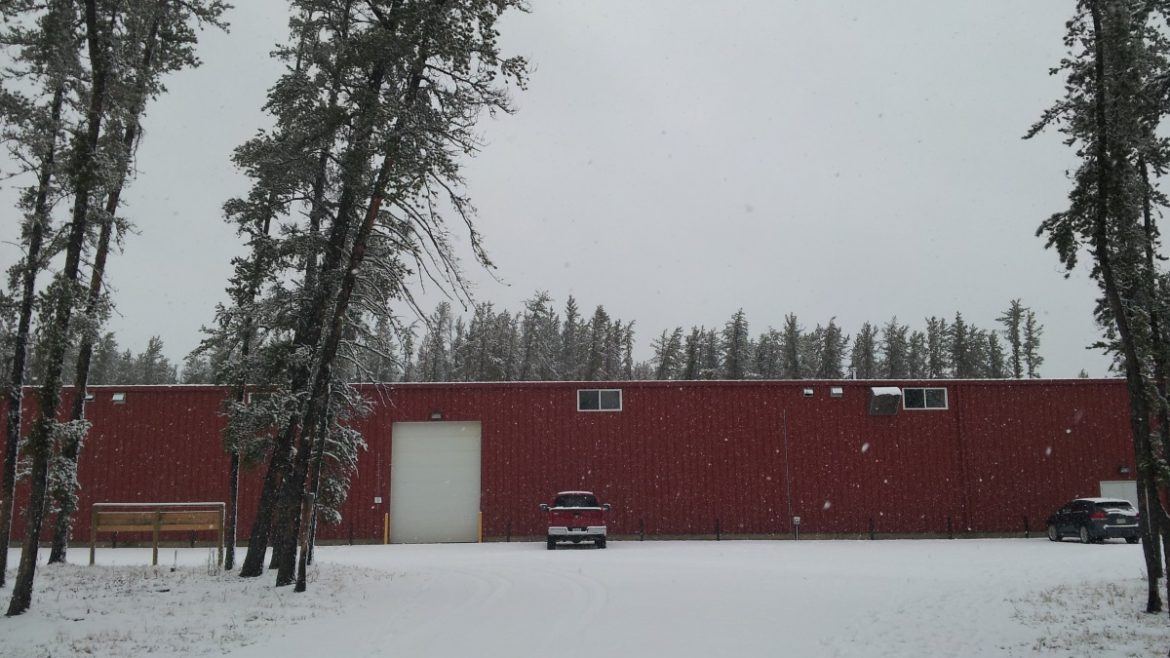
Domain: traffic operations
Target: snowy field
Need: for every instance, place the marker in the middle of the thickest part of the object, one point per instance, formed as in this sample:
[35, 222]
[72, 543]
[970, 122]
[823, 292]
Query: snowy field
[1007, 597]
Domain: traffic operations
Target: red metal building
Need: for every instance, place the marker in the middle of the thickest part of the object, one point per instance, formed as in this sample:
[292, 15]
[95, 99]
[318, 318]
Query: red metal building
[673, 458]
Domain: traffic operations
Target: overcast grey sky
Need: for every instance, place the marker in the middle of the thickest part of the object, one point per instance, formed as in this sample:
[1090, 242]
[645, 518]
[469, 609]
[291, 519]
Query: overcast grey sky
[676, 161]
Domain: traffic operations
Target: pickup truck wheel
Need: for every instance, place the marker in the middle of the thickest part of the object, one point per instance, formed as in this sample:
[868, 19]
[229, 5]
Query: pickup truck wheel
[552, 544]
[1085, 538]
[600, 543]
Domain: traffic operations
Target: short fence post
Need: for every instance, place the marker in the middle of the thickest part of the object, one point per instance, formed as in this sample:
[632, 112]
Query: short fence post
[92, 535]
[871, 528]
[192, 539]
[950, 529]
[509, 531]
[351, 533]
[114, 540]
[641, 529]
[154, 538]
[717, 533]
[1027, 532]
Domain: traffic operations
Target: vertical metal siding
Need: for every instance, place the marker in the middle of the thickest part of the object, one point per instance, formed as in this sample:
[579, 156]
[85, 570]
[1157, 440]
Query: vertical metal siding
[678, 457]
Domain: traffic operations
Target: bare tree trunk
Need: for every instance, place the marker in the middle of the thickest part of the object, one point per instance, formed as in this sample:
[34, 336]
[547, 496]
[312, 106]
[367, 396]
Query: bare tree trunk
[278, 466]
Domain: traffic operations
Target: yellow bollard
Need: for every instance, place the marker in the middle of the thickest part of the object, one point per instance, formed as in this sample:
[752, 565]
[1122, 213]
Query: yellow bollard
[480, 540]
[386, 528]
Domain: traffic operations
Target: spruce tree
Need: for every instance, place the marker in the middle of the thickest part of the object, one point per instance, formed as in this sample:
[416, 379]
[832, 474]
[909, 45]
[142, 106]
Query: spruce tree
[693, 352]
[863, 358]
[1013, 328]
[962, 355]
[668, 355]
[916, 356]
[938, 350]
[792, 365]
[895, 361]
[735, 347]
[1031, 346]
[832, 351]
[571, 333]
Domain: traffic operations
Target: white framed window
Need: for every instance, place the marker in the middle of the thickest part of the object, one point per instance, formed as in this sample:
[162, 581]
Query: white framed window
[808, 392]
[256, 397]
[924, 398]
[599, 399]
[836, 391]
[118, 398]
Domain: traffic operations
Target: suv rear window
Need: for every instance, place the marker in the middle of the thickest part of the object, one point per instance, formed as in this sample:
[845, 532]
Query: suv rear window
[576, 500]
[1119, 505]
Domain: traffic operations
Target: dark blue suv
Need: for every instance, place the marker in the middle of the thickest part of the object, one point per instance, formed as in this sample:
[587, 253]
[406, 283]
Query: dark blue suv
[1094, 520]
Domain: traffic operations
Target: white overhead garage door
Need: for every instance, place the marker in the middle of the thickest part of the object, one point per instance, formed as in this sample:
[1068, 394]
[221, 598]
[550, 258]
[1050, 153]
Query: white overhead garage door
[434, 482]
[1123, 489]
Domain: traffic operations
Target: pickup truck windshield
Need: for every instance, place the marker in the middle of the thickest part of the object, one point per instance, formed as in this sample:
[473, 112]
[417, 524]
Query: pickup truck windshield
[576, 500]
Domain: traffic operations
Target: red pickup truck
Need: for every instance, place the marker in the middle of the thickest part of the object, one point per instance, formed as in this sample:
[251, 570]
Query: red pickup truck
[576, 516]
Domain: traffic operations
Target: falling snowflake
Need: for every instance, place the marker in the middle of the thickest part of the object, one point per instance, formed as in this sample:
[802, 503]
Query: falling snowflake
[865, 447]
[1048, 451]
[827, 505]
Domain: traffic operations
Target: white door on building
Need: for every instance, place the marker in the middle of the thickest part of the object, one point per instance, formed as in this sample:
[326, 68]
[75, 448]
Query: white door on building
[434, 482]
[1123, 489]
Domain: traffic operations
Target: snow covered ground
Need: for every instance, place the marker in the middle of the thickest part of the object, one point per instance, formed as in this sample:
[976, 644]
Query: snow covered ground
[1007, 597]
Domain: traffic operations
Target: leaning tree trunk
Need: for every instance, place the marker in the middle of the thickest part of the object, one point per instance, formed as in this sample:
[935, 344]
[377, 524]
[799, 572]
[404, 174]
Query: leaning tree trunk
[317, 397]
[1139, 413]
[65, 495]
[309, 335]
[41, 437]
[15, 393]
[1155, 513]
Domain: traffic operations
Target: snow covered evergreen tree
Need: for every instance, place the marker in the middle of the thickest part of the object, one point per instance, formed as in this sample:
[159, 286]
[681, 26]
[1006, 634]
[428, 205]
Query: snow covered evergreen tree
[386, 94]
[938, 350]
[1031, 346]
[792, 365]
[540, 336]
[1013, 328]
[434, 355]
[668, 355]
[916, 356]
[832, 351]
[964, 364]
[895, 350]
[736, 347]
[1115, 89]
[768, 354]
[571, 333]
[95, 53]
[863, 358]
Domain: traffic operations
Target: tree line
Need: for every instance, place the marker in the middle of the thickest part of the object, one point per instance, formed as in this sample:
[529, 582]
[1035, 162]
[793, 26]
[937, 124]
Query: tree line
[539, 344]
[111, 364]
